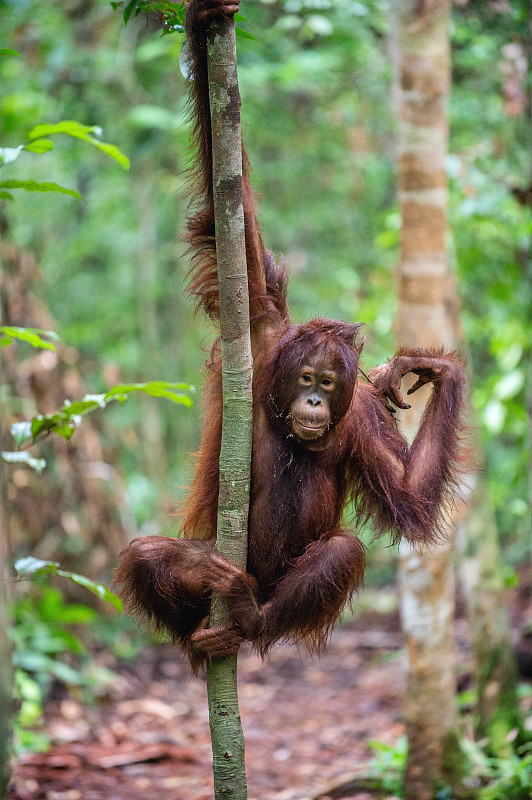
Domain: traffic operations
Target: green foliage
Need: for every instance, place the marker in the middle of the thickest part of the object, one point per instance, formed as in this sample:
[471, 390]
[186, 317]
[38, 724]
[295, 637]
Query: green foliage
[65, 422]
[170, 14]
[388, 765]
[27, 736]
[32, 336]
[77, 131]
[492, 145]
[47, 647]
[500, 778]
[35, 186]
[34, 567]
[171, 391]
[508, 778]
[38, 144]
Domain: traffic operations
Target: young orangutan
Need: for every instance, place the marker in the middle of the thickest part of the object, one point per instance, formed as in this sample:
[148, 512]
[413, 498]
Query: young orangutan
[320, 438]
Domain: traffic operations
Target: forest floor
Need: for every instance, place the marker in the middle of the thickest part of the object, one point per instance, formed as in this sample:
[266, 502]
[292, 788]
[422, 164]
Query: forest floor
[307, 723]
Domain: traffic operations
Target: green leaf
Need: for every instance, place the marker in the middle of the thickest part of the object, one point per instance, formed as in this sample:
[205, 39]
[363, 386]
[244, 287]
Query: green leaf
[38, 464]
[39, 186]
[97, 588]
[242, 34]
[171, 391]
[79, 408]
[6, 196]
[61, 424]
[67, 430]
[32, 336]
[113, 152]
[129, 10]
[68, 127]
[29, 567]
[44, 424]
[6, 51]
[73, 408]
[40, 146]
[84, 133]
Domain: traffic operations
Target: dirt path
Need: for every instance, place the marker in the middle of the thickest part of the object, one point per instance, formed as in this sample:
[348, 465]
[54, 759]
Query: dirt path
[306, 722]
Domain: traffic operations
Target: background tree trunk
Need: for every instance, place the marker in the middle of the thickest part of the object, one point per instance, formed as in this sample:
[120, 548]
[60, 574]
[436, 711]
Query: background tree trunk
[235, 455]
[424, 318]
[428, 315]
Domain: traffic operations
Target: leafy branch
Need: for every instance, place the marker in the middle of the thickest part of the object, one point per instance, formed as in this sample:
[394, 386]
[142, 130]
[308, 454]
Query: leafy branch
[85, 133]
[33, 336]
[30, 567]
[39, 142]
[171, 15]
[65, 422]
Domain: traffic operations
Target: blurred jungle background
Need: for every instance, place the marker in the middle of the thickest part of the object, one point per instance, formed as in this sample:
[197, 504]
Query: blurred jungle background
[106, 272]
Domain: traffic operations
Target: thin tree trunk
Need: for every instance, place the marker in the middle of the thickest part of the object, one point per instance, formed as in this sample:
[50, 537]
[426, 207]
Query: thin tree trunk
[235, 455]
[423, 319]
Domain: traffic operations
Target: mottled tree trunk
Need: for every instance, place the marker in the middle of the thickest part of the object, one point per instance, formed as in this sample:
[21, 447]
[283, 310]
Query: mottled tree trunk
[235, 455]
[424, 319]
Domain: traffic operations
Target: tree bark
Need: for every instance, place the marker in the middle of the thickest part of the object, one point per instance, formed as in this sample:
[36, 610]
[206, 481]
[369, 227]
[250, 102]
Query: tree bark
[235, 455]
[425, 301]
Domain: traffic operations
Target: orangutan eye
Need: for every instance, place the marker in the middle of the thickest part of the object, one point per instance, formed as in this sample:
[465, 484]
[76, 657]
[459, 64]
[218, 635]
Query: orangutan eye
[328, 383]
[306, 378]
